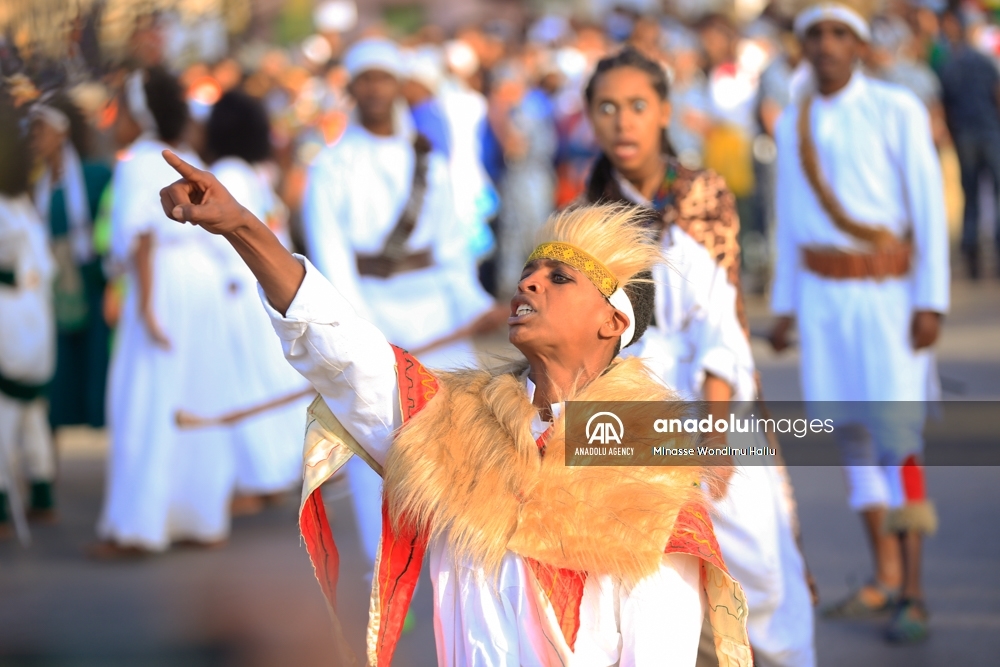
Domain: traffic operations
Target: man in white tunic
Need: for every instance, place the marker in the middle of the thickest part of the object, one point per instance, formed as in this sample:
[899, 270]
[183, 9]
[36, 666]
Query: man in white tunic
[862, 266]
[469, 477]
[381, 226]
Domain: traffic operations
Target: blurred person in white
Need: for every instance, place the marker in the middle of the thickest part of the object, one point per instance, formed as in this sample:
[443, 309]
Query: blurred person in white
[172, 348]
[862, 267]
[476, 199]
[267, 445]
[698, 344]
[521, 119]
[27, 322]
[380, 224]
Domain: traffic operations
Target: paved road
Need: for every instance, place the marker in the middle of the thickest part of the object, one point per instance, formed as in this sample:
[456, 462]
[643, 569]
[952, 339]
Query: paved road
[254, 602]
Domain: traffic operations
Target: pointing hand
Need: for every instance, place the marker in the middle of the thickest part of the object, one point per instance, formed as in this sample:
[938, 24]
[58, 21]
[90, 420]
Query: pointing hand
[200, 199]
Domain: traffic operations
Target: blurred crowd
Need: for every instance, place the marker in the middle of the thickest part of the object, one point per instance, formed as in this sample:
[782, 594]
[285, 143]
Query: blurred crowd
[502, 102]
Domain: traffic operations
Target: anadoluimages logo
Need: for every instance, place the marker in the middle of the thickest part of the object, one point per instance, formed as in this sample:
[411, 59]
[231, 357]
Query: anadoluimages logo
[606, 430]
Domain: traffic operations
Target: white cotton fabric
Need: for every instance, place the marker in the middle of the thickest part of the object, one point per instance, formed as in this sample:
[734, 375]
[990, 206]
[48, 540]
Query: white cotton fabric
[268, 446]
[832, 11]
[355, 192]
[876, 154]
[163, 483]
[27, 342]
[480, 623]
[375, 53]
[27, 320]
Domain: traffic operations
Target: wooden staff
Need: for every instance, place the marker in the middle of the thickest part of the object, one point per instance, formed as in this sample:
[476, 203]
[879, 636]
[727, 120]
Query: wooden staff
[185, 419]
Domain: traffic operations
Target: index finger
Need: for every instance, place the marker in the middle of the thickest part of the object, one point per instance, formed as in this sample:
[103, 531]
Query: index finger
[183, 168]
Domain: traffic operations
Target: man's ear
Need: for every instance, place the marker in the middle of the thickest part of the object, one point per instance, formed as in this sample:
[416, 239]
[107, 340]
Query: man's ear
[615, 325]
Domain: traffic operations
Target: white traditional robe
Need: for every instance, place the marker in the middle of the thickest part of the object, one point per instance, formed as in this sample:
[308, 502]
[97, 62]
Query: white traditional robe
[27, 341]
[164, 483]
[479, 623]
[355, 193]
[698, 332]
[268, 447]
[876, 154]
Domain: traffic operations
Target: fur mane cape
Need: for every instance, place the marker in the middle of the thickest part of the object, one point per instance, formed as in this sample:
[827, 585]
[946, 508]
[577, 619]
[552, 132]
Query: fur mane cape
[467, 466]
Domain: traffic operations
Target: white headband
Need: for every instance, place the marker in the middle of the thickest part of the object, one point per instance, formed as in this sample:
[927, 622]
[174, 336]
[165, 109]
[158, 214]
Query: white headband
[51, 116]
[832, 11]
[135, 98]
[374, 53]
[619, 299]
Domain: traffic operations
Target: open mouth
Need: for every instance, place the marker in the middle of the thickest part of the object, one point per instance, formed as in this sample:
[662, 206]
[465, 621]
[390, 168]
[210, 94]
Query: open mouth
[522, 312]
[625, 149]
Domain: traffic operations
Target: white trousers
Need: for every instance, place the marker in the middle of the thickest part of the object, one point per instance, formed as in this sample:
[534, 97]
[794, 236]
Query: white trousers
[872, 472]
[25, 440]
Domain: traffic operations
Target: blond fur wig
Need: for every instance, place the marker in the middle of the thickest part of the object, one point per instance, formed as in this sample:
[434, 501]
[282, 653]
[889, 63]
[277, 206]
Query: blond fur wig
[467, 467]
[611, 233]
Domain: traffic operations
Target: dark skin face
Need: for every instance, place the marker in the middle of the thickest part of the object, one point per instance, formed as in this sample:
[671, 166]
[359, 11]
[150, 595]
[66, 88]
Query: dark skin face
[375, 92]
[46, 141]
[628, 118]
[833, 49]
[569, 318]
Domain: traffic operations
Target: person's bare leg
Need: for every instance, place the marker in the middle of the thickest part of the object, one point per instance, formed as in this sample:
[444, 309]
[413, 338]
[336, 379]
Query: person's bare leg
[912, 543]
[885, 548]
[910, 621]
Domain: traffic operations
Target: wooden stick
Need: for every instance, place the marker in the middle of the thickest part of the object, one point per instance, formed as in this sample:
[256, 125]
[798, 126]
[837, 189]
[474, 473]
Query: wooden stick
[185, 419]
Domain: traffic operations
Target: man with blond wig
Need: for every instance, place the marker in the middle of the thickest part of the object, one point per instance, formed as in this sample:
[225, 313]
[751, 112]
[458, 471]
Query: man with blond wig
[533, 562]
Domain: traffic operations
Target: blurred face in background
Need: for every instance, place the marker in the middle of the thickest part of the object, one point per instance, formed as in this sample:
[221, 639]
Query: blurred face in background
[46, 141]
[832, 49]
[645, 38]
[375, 92]
[719, 44]
[629, 119]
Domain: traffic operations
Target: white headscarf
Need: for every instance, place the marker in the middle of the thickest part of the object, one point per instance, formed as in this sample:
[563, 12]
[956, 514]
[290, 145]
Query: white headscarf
[832, 11]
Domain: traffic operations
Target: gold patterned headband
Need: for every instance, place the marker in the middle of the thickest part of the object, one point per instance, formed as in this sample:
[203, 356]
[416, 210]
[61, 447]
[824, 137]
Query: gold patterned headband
[598, 274]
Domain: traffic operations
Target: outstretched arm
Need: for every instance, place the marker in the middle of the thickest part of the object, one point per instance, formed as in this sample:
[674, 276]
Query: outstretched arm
[346, 358]
[200, 199]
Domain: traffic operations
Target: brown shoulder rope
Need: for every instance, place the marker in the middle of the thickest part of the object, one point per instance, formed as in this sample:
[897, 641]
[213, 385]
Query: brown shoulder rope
[394, 257]
[880, 237]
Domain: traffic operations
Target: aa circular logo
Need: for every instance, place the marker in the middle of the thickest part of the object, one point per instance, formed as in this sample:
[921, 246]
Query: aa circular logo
[605, 428]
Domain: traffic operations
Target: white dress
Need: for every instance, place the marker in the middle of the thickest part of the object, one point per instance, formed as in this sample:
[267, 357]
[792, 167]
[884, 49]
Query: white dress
[479, 623]
[164, 483]
[697, 332]
[268, 446]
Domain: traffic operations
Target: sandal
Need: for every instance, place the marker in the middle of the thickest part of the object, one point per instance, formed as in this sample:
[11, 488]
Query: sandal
[909, 625]
[872, 600]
